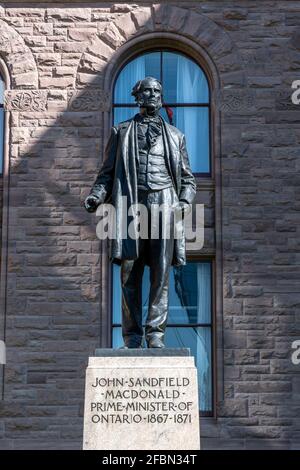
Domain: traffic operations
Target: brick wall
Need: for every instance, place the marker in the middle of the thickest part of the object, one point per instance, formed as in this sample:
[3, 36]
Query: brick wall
[58, 57]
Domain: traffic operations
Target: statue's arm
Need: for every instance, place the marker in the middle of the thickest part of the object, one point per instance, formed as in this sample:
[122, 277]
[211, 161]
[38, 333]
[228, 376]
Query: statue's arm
[188, 183]
[102, 188]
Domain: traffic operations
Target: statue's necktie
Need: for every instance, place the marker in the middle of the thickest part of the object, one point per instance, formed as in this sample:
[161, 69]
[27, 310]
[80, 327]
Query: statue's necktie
[153, 129]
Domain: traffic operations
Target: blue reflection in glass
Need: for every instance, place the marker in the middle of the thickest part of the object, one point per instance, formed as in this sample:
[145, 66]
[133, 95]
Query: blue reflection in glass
[122, 114]
[183, 80]
[139, 68]
[194, 123]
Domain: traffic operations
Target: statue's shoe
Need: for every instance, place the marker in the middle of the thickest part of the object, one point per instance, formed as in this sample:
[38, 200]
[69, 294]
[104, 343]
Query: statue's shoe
[155, 343]
[131, 346]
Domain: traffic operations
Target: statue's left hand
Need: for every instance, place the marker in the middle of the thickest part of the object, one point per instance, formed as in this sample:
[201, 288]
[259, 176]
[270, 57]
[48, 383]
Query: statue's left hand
[184, 206]
[91, 203]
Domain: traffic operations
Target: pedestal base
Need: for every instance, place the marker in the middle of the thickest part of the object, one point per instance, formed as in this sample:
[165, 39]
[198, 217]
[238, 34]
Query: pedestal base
[141, 399]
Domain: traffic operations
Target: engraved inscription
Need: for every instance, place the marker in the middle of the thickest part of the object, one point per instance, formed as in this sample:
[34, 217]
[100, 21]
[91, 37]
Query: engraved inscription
[141, 400]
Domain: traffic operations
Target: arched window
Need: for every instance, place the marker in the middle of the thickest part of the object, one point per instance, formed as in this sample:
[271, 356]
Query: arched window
[1, 123]
[186, 92]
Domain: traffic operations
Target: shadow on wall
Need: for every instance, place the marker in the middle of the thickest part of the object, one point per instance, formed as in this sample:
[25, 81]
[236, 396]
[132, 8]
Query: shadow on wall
[53, 317]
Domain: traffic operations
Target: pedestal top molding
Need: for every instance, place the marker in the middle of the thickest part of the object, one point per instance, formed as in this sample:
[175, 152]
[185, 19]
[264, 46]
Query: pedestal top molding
[152, 352]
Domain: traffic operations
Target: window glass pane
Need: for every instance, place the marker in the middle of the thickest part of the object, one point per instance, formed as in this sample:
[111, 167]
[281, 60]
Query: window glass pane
[199, 341]
[122, 114]
[137, 69]
[1, 138]
[194, 122]
[183, 80]
[117, 340]
[189, 294]
[152, 65]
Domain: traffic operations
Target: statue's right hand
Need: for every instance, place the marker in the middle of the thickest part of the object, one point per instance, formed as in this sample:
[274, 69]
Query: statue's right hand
[91, 203]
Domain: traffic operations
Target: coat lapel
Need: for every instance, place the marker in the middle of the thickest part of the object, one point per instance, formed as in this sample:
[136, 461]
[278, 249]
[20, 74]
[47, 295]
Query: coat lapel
[129, 156]
[171, 157]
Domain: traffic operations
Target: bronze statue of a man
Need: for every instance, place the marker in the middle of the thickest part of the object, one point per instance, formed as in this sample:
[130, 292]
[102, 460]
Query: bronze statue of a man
[145, 160]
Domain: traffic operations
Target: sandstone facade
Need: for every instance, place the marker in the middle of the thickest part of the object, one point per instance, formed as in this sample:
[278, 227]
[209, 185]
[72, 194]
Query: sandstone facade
[62, 60]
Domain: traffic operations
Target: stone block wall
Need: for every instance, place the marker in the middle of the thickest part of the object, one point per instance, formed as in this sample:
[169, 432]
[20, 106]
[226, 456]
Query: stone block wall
[59, 58]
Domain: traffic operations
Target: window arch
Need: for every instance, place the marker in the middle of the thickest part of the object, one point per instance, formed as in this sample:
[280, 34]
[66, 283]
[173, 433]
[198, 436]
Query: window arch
[190, 320]
[3, 212]
[186, 93]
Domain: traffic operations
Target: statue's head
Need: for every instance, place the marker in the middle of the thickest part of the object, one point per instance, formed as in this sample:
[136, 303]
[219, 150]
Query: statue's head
[148, 94]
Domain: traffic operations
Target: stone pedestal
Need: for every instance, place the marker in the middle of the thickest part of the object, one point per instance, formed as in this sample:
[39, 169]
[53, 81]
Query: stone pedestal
[139, 399]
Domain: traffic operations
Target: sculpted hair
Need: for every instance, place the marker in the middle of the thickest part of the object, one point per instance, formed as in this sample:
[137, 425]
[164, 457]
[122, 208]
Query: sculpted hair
[138, 86]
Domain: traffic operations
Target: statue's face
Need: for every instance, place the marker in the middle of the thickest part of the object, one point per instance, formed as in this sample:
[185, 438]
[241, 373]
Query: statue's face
[150, 95]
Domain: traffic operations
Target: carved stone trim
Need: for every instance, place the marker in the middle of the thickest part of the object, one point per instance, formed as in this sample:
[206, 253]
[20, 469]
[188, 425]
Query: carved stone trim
[88, 100]
[235, 101]
[25, 100]
[38, 100]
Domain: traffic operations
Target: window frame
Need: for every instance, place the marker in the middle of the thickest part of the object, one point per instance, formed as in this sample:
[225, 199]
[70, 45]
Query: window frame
[168, 42]
[207, 105]
[2, 79]
[4, 242]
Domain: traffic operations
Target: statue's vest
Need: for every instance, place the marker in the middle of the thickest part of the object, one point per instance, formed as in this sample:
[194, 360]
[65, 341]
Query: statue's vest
[153, 173]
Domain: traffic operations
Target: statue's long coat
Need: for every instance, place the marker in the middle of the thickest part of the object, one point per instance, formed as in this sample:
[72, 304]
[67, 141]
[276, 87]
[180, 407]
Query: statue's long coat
[118, 177]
